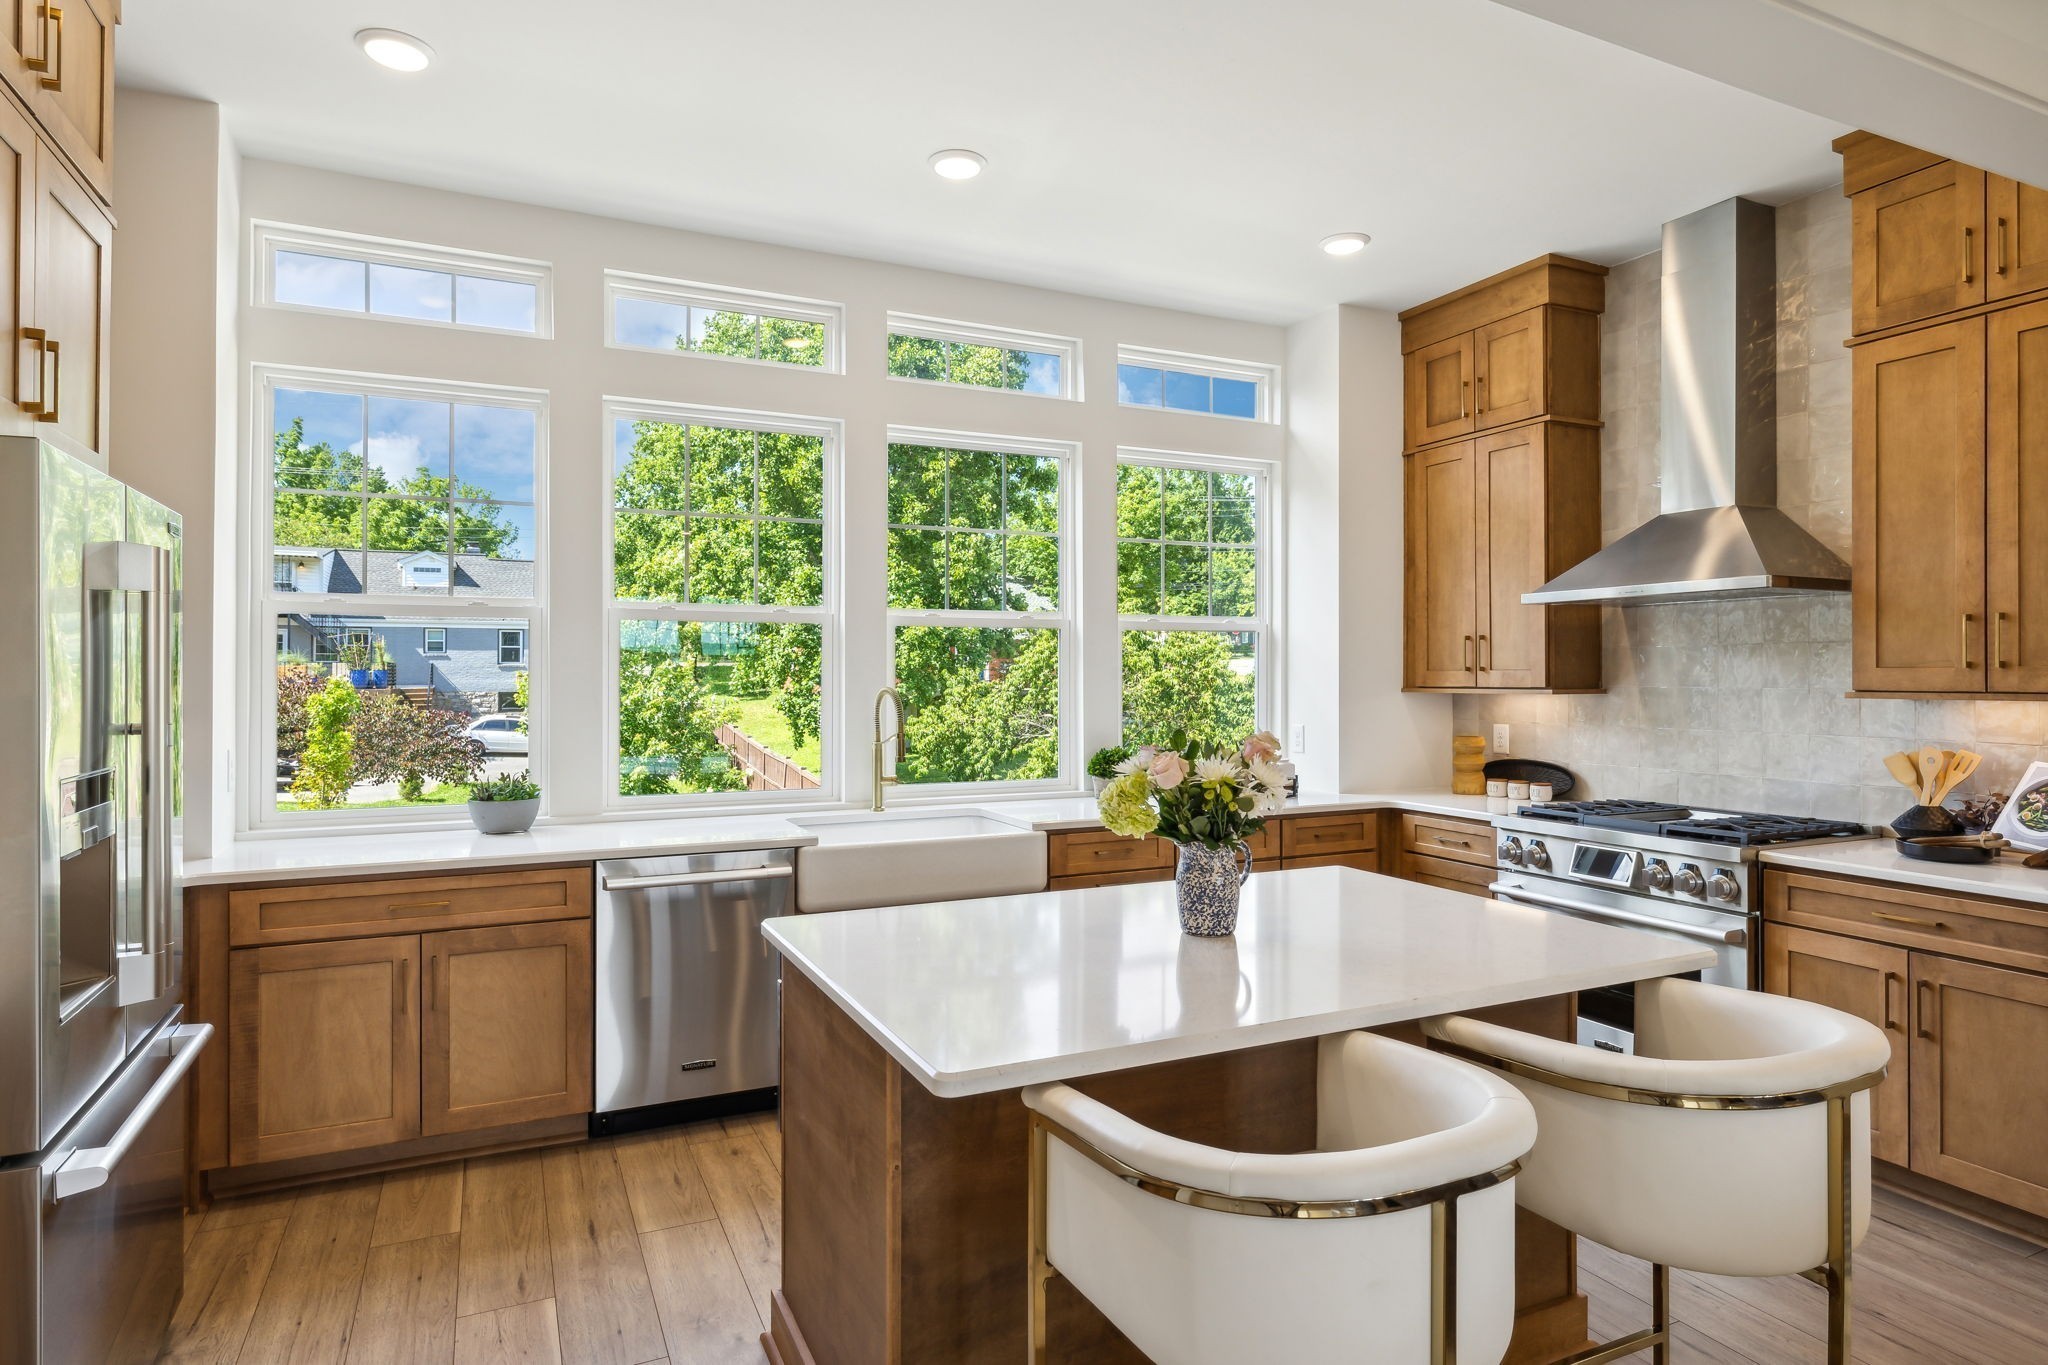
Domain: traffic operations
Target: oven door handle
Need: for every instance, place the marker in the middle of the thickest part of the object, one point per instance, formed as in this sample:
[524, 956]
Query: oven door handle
[1733, 938]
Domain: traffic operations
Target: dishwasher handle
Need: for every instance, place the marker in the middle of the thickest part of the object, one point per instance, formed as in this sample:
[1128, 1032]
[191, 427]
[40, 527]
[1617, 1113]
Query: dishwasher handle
[730, 874]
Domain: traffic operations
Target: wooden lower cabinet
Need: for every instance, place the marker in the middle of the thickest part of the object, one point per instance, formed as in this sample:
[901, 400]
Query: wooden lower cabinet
[1980, 1087]
[508, 1025]
[1868, 980]
[323, 1047]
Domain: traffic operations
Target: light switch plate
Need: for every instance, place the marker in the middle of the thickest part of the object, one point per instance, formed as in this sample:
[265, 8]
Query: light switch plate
[1297, 739]
[1500, 741]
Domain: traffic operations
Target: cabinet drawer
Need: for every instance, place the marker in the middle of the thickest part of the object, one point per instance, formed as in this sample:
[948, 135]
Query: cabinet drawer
[1097, 850]
[1435, 836]
[1364, 860]
[1993, 931]
[1265, 845]
[329, 910]
[1446, 873]
[1080, 881]
[1351, 833]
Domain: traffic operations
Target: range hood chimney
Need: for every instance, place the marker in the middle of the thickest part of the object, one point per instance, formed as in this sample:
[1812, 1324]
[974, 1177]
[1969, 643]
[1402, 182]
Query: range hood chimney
[1720, 535]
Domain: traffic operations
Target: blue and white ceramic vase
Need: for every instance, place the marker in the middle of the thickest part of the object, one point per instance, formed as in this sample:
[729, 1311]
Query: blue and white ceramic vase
[1206, 882]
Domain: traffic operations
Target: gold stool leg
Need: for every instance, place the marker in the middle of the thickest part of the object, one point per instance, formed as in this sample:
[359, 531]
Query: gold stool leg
[1841, 1212]
[1660, 1313]
[1039, 1270]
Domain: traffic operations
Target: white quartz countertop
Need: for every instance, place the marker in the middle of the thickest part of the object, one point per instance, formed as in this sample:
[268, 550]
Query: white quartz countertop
[2003, 878]
[978, 996]
[392, 853]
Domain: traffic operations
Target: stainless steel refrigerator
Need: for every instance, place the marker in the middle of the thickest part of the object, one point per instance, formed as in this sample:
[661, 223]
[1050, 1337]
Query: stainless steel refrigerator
[93, 1049]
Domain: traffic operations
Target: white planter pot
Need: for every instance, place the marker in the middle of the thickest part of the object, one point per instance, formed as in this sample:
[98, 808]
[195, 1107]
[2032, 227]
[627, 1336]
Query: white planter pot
[503, 817]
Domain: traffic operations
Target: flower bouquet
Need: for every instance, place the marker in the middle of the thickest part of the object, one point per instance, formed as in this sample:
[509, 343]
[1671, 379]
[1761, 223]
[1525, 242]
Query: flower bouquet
[1208, 800]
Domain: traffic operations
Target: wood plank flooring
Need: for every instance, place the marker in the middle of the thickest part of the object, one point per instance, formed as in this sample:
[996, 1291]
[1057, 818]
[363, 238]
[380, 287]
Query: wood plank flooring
[652, 1248]
[663, 1247]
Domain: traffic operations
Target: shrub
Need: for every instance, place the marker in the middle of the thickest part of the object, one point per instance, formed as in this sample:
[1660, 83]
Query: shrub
[327, 760]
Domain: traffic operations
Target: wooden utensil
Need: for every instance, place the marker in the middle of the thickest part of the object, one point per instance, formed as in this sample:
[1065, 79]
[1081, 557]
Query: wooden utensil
[2035, 859]
[1960, 769]
[1963, 841]
[1930, 772]
[1905, 769]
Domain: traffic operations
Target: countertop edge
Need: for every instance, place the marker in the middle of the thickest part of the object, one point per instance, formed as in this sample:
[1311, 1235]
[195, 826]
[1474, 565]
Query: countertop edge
[1875, 860]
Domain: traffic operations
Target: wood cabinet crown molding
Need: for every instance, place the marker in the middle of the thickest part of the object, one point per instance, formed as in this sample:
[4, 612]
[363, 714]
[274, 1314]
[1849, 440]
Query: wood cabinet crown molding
[1550, 280]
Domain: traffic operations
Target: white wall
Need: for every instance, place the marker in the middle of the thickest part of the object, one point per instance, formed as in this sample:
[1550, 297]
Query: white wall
[1344, 592]
[579, 371]
[173, 428]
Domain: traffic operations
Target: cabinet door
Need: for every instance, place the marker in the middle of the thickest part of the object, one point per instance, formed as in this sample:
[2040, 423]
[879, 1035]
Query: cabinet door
[18, 151]
[1865, 979]
[1441, 631]
[508, 1025]
[1980, 1101]
[1918, 246]
[1508, 366]
[1918, 581]
[74, 264]
[1513, 641]
[1439, 396]
[70, 49]
[2016, 436]
[2019, 237]
[323, 1047]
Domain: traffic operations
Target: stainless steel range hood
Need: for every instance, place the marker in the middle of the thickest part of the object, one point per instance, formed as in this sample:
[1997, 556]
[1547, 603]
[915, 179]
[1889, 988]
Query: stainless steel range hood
[1720, 535]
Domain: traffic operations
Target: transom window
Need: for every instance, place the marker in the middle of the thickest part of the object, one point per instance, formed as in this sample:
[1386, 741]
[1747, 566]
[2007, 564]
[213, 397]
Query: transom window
[982, 357]
[1190, 596]
[1186, 383]
[976, 596]
[648, 313]
[338, 272]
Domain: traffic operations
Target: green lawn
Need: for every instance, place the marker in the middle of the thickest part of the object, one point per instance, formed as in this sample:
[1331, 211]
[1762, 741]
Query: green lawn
[441, 794]
[766, 727]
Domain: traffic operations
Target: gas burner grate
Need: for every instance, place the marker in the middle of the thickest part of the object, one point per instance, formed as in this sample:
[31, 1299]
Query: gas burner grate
[1612, 814]
[1745, 831]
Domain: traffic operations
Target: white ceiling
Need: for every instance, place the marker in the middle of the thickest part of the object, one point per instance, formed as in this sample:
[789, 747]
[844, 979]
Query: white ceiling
[1183, 152]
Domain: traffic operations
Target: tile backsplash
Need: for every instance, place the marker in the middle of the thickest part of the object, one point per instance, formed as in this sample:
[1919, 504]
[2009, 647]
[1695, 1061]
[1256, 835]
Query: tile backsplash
[1740, 704]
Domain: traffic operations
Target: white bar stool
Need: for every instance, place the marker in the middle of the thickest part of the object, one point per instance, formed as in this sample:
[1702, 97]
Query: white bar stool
[1394, 1241]
[1736, 1141]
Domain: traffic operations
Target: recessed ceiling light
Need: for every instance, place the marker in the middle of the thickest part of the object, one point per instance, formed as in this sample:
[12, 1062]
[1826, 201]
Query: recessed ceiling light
[399, 51]
[1345, 243]
[957, 163]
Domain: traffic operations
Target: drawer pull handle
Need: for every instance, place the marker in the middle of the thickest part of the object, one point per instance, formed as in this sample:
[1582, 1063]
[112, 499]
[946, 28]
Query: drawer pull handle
[2001, 246]
[410, 907]
[1452, 843]
[1891, 1020]
[404, 979]
[1969, 262]
[1928, 1007]
[1908, 919]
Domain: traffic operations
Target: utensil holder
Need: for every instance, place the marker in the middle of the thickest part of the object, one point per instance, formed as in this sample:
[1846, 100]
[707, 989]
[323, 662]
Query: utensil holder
[1922, 821]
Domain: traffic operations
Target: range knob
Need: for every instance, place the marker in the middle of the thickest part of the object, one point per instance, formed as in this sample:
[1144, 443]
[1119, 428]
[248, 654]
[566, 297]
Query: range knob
[1511, 851]
[1689, 880]
[1658, 874]
[1538, 856]
[1723, 887]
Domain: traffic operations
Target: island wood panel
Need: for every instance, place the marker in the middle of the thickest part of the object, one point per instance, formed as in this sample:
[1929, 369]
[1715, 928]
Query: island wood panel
[296, 911]
[903, 1213]
[2016, 476]
[2019, 237]
[1868, 980]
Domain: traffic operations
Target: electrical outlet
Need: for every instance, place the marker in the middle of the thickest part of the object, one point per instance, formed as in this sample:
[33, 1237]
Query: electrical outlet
[1500, 741]
[1297, 739]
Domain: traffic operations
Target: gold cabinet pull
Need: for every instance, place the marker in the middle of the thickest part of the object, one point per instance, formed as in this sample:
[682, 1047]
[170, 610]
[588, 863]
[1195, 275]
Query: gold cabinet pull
[2001, 246]
[1998, 639]
[1967, 620]
[1485, 655]
[1891, 1020]
[1927, 1006]
[1481, 382]
[1464, 399]
[54, 377]
[37, 337]
[51, 63]
[1468, 654]
[404, 976]
[1969, 265]
[1908, 919]
[1452, 843]
[433, 979]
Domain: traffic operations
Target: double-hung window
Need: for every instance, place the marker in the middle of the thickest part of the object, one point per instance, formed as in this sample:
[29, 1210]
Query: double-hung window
[1191, 592]
[406, 511]
[722, 592]
[979, 605]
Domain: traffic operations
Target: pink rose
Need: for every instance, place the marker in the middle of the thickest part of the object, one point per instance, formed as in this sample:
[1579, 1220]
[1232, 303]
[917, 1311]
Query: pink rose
[1263, 745]
[1169, 770]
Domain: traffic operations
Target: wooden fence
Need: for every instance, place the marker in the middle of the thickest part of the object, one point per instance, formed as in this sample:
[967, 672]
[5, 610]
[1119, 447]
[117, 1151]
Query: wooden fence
[767, 771]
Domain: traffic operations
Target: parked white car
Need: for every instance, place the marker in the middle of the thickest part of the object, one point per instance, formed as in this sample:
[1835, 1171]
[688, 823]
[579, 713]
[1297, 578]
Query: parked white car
[499, 734]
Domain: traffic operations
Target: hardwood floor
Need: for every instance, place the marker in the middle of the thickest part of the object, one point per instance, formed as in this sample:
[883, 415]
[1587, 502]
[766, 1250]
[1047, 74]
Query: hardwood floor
[655, 1247]
[663, 1247]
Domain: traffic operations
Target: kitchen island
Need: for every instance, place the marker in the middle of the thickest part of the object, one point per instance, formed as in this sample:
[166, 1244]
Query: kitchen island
[908, 1032]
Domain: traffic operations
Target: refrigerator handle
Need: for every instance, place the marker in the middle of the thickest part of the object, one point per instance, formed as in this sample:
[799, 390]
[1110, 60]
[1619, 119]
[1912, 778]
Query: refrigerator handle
[88, 1168]
[145, 570]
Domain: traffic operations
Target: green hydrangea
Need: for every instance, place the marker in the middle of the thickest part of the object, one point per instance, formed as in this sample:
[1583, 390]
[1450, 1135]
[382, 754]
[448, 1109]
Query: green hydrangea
[1127, 807]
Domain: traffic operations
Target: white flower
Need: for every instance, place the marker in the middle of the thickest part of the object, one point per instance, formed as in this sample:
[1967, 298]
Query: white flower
[1218, 770]
[1136, 763]
[1268, 774]
[1266, 801]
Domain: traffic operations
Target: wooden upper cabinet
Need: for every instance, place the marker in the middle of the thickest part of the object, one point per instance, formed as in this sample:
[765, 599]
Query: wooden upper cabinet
[62, 66]
[323, 1047]
[72, 304]
[1979, 1107]
[2019, 237]
[1508, 369]
[1513, 636]
[508, 1025]
[2016, 466]
[1868, 980]
[1918, 246]
[1919, 488]
[1442, 630]
[1439, 390]
[18, 150]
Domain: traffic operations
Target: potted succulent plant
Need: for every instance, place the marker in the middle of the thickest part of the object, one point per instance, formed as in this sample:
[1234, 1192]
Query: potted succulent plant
[504, 805]
[1208, 799]
[1102, 766]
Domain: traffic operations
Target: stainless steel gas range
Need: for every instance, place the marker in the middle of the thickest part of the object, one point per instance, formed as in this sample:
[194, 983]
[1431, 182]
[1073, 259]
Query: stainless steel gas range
[1649, 865]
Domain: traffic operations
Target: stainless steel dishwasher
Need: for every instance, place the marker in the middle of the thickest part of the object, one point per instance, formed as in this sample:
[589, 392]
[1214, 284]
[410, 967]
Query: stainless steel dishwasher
[688, 1022]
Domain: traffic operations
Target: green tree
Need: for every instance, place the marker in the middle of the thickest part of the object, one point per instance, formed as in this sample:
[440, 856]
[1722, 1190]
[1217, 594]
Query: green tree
[984, 704]
[396, 741]
[316, 504]
[669, 718]
[1183, 680]
[958, 362]
[327, 760]
[520, 695]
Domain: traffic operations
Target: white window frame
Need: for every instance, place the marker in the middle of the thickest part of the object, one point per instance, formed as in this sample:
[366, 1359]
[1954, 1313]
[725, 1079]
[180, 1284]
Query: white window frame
[1065, 621]
[262, 604]
[1267, 377]
[518, 646]
[1068, 349]
[828, 615]
[430, 646]
[1266, 682]
[722, 298]
[271, 237]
